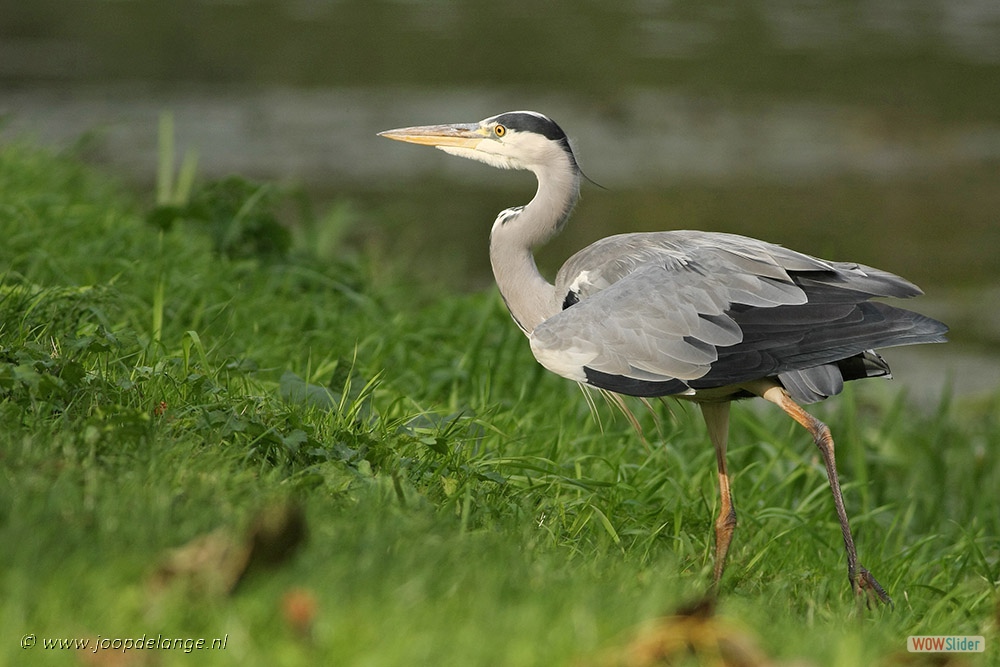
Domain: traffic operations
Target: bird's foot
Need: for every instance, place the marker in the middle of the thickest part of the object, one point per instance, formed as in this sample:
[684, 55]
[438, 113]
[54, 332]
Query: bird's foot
[865, 584]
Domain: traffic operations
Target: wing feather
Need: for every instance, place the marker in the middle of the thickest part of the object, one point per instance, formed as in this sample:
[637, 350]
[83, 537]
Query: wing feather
[715, 309]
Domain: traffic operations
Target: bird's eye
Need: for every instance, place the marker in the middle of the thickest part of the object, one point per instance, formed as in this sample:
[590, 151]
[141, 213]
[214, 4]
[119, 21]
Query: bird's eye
[499, 130]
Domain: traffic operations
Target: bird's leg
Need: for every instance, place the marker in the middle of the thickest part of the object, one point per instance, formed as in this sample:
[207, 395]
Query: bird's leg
[862, 581]
[717, 419]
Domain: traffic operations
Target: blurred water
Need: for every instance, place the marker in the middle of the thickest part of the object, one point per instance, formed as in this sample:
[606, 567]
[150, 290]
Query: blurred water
[325, 138]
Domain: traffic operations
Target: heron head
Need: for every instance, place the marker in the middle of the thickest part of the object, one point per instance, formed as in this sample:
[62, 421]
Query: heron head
[511, 140]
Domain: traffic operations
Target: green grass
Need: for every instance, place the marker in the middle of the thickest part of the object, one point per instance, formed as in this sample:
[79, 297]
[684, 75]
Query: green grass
[464, 507]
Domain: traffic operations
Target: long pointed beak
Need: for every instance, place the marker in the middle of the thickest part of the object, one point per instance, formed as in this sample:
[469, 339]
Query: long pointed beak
[462, 135]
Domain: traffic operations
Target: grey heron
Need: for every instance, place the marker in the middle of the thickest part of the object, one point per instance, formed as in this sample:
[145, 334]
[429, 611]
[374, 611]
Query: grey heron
[709, 317]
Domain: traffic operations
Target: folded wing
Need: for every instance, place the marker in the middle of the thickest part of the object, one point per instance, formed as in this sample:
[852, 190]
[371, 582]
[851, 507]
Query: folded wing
[677, 312]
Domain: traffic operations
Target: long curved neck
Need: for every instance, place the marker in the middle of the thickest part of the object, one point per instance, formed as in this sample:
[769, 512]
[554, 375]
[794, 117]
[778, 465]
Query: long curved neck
[530, 298]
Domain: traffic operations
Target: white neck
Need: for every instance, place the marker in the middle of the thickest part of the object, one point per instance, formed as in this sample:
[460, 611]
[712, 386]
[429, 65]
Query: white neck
[530, 298]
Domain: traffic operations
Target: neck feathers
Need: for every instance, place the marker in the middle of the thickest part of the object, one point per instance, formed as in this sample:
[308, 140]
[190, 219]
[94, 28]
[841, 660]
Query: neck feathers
[530, 298]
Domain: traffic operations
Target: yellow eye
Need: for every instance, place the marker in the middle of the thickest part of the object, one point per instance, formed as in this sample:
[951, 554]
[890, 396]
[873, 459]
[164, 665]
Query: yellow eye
[499, 130]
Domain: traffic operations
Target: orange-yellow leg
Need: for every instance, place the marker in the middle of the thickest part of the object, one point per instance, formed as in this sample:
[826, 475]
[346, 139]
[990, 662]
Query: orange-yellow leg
[717, 419]
[862, 581]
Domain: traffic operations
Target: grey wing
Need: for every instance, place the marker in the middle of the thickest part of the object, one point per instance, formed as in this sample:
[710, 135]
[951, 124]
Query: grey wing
[667, 313]
[654, 306]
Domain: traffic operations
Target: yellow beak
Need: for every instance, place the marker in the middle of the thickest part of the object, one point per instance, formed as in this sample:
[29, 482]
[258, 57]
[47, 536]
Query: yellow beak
[463, 135]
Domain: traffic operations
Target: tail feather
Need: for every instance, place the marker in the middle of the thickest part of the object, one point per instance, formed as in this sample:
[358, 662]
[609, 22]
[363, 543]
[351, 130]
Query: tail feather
[811, 385]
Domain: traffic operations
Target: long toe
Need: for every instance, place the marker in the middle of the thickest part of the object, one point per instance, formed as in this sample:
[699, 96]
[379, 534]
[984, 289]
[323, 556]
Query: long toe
[873, 591]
